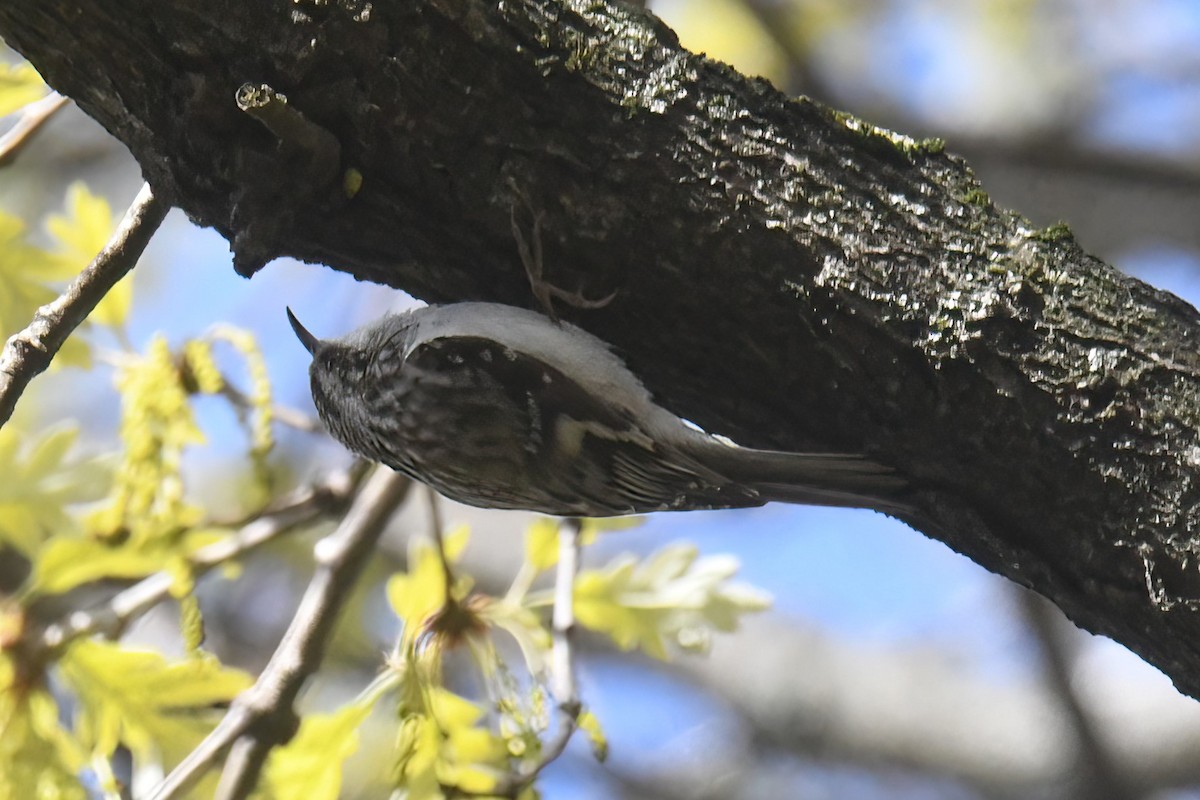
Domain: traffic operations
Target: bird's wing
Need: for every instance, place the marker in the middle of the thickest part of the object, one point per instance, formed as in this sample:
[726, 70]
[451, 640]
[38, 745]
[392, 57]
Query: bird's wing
[582, 454]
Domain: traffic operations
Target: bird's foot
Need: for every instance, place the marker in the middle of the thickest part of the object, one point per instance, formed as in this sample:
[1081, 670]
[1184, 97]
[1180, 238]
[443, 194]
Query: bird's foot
[532, 257]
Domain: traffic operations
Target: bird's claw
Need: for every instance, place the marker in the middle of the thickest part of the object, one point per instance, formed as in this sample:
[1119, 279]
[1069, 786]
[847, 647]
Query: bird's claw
[532, 258]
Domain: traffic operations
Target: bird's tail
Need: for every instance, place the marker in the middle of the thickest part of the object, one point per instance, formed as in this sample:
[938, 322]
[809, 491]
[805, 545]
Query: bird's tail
[822, 479]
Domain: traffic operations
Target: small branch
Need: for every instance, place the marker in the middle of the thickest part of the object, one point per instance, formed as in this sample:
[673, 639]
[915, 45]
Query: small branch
[562, 621]
[320, 150]
[33, 117]
[263, 716]
[562, 673]
[30, 352]
[302, 507]
[292, 417]
[439, 541]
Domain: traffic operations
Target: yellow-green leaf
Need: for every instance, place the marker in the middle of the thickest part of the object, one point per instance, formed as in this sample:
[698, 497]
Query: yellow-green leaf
[672, 596]
[261, 413]
[84, 227]
[191, 624]
[69, 562]
[40, 759]
[541, 543]
[82, 231]
[590, 725]
[470, 757]
[310, 766]
[610, 602]
[25, 274]
[417, 745]
[542, 537]
[454, 542]
[139, 699]
[594, 526]
[40, 483]
[523, 625]
[417, 594]
[452, 711]
[440, 744]
[20, 85]
[35, 764]
[157, 425]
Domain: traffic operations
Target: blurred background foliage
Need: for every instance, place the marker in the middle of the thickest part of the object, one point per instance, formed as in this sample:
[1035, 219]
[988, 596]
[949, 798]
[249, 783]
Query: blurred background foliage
[888, 667]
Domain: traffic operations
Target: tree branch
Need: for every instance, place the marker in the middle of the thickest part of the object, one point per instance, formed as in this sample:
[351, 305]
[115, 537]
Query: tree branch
[33, 117]
[1115, 199]
[263, 716]
[562, 670]
[29, 353]
[303, 506]
[562, 625]
[292, 417]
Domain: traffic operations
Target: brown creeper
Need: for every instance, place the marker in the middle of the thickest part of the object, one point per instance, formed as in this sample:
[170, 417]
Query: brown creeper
[500, 407]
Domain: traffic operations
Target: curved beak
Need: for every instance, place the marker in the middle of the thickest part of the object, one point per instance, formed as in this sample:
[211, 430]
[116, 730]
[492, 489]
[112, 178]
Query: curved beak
[310, 342]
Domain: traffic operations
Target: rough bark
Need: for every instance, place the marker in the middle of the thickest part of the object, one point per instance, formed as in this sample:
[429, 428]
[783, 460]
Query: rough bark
[786, 275]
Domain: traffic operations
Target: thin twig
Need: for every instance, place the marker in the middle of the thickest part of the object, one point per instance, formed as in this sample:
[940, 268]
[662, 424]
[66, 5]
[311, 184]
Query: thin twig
[33, 117]
[562, 621]
[439, 540]
[303, 506]
[292, 417]
[264, 715]
[30, 352]
[562, 673]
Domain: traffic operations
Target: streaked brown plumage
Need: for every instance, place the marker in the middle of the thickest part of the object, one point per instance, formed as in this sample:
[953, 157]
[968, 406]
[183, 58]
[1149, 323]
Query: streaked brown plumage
[500, 407]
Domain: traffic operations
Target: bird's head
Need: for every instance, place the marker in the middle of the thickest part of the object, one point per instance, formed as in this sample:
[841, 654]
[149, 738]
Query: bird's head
[336, 374]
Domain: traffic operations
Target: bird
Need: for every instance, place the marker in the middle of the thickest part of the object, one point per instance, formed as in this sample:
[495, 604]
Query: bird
[498, 406]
